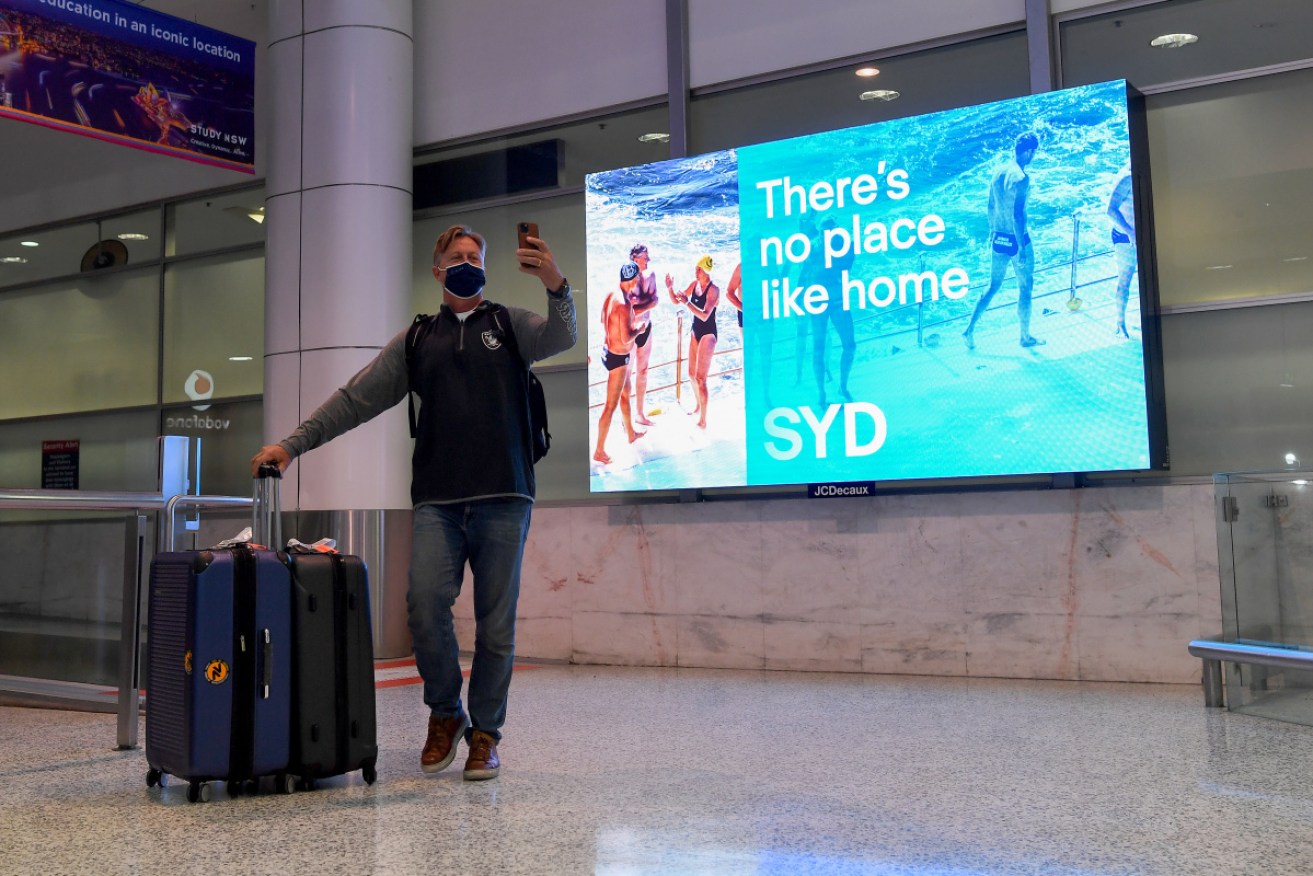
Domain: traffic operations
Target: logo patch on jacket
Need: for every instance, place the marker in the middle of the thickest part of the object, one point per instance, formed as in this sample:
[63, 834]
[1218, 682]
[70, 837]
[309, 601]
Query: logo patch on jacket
[492, 339]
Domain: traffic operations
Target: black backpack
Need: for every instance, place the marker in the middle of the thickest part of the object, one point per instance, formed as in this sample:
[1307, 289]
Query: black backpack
[542, 439]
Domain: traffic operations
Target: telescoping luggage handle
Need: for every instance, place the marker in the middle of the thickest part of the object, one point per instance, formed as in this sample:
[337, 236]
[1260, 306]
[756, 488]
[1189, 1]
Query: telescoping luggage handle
[267, 518]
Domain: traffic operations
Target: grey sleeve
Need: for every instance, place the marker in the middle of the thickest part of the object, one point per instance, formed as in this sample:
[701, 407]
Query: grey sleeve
[539, 337]
[375, 388]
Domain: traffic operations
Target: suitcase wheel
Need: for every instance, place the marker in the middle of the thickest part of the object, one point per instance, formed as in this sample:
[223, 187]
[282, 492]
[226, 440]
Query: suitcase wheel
[199, 791]
[285, 783]
[369, 774]
[154, 777]
[305, 785]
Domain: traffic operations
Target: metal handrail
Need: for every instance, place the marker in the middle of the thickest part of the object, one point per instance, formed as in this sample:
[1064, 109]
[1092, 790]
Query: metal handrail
[135, 560]
[78, 500]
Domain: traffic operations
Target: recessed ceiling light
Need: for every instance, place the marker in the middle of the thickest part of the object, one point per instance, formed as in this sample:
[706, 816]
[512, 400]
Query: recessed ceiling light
[240, 358]
[28, 243]
[1296, 259]
[1218, 268]
[880, 94]
[1173, 40]
[133, 235]
[868, 72]
[654, 137]
[13, 260]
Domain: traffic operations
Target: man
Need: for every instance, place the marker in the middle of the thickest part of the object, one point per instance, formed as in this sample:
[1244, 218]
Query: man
[645, 301]
[621, 327]
[842, 319]
[1121, 211]
[472, 482]
[1009, 239]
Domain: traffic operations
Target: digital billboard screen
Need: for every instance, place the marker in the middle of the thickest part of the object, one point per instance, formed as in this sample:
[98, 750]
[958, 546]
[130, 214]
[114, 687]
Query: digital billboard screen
[966, 293]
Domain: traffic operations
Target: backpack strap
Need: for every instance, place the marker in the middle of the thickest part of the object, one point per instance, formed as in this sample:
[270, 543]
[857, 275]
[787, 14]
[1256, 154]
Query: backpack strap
[534, 393]
[420, 327]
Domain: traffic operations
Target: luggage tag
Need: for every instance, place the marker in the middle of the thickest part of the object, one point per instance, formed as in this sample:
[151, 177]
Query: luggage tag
[241, 538]
[323, 546]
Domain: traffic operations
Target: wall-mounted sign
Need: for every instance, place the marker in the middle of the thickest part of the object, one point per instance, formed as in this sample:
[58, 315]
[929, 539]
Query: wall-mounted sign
[120, 72]
[59, 465]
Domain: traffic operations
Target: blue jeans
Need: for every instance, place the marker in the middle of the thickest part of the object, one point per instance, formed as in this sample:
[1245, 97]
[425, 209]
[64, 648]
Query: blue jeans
[489, 535]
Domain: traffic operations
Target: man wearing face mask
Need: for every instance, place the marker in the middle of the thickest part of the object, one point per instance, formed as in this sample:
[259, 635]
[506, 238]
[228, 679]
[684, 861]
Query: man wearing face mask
[472, 480]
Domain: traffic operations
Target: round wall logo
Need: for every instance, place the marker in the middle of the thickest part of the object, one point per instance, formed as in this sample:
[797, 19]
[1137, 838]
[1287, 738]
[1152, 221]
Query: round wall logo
[199, 387]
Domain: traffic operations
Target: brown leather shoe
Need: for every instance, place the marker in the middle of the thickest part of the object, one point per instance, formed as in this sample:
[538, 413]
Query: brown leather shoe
[440, 749]
[483, 762]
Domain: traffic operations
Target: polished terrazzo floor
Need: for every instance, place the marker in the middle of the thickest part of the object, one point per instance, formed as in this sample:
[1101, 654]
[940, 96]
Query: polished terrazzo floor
[637, 771]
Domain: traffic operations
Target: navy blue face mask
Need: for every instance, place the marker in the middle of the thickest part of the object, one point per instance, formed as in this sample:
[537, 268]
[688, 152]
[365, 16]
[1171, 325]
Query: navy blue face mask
[464, 280]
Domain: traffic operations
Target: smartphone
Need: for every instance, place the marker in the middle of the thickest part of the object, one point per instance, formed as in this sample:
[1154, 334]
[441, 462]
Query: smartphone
[526, 230]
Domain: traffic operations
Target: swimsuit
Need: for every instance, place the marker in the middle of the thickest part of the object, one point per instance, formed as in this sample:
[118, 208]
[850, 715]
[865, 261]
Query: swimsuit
[646, 333]
[1006, 244]
[703, 327]
[1118, 237]
[612, 361]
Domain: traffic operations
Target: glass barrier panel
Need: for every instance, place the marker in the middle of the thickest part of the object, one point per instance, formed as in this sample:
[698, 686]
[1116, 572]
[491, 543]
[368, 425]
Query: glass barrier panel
[1265, 539]
[61, 597]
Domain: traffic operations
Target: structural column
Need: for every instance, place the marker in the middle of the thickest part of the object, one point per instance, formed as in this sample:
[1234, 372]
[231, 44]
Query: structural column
[338, 272]
[338, 236]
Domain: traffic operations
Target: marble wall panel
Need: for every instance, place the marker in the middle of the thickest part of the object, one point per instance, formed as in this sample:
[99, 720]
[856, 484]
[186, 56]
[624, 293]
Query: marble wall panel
[1105, 583]
[915, 643]
[711, 641]
[623, 639]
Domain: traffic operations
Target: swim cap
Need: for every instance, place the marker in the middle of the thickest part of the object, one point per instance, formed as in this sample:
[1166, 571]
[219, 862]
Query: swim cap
[705, 263]
[628, 271]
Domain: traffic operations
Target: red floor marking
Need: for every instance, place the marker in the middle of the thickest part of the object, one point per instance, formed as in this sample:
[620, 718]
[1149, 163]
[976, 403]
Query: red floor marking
[394, 664]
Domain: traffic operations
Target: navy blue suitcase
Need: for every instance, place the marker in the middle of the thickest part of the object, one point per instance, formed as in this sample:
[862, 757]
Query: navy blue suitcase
[219, 668]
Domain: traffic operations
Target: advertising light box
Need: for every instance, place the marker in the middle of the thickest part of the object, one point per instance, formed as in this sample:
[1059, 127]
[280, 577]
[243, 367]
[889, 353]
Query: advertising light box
[126, 74]
[966, 293]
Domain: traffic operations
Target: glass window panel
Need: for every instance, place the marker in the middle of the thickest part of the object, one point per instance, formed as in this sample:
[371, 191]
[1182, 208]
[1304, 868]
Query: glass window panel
[138, 232]
[80, 345]
[601, 143]
[230, 434]
[969, 73]
[1233, 189]
[58, 253]
[214, 328]
[1233, 35]
[216, 222]
[1239, 386]
[560, 221]
[117, 451]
